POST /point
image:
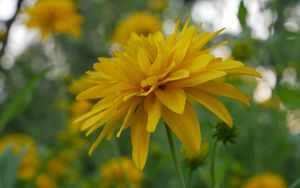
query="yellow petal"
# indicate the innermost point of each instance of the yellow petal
(95, 110)
(177, 75)
(100, 91)
(108, 128)
(92, 92)
(185, 126)
(198, 63)
(153, 108)
(203, 38)
(143, 61)
(92, 121)
(211, 103)
(183, 44)
(243, 71)
(140, 139)
(195, 80)
(224, 65)
(126, 120)
(224, 89)
(174, 99)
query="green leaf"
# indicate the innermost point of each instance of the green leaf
(9, 165)
(242, 14)
(19, 102)
(290, 97)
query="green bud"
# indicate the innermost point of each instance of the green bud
(194, 159)
(242, 50)
(225, 133)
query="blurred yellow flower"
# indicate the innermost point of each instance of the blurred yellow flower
(51, 16)
(158, 4)
(61, 167)
(141, 23)
(158, 76)
(45, 181)
(266, 180)
(30, 162)
(112, 173)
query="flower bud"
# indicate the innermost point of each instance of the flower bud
(194, 159)
(242, 50)
(225, 133)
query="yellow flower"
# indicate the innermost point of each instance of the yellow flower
(45, 181)
(61, 166)
(158, 4)
(112, 173)
(141, 23)
(31, 159)
(266, 180)
(156, 77)
(51, 16)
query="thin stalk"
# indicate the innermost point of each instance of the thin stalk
(191, 171)
(175, 157)
(212, 164)
(118, 154)
(9, 23)
(295, 183)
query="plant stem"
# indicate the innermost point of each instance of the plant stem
(295, 183)
(117, 154)
(175, 157)
(8, 27)
(191, 171)
(212, 164)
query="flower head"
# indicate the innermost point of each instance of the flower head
(158, 77)
(226, 134)
(194, 159)
(141, 23)
(266, 180)
(113, 172)
(51, 16)
(45, 181)
(31, 159)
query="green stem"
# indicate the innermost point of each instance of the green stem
(212, 164)
(295, 183)
(175, 157)
(118, 154)
(191, 171)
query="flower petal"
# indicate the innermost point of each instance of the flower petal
(185, 126)
(195, 80)
(224, 89)
(153, 108)
(224, 65)
(100, 91)
(211, 103)
(108, 128)
(172, 98)
(177, 75)
(140, 139)
(198, 63)
(126, 120)
(243, 71)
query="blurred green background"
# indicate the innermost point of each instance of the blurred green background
(35, 96)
